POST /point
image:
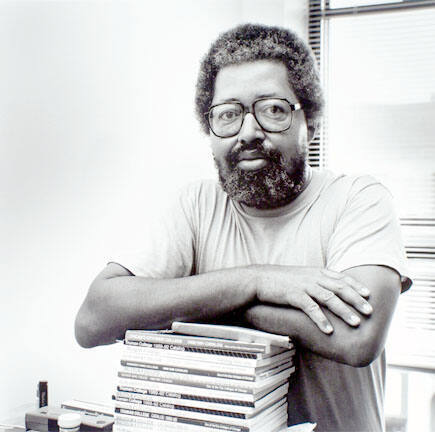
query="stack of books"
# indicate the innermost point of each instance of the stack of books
(198, 378)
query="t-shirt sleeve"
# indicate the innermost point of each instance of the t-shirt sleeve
(167, 249)
(368, 232)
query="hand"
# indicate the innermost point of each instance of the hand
(307, 288)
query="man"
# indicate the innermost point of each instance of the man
(276, 245)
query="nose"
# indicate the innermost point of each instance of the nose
(250, 131)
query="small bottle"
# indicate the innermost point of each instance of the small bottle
(69, 422)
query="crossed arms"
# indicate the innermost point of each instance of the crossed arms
(340, 316)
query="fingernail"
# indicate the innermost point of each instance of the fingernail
(354, 320)
(328, 329)
(367, 309)
(365, 292)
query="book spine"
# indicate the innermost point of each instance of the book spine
(231, 332)
(271, 372)
(275, 410)
(127, 423)
(186, 348)
(176, 407)
(137, 336)
(134, 393)
(191, 371)
(171, 363)
(195, 405)
(184, 381)
(206, 403)
(124, 424)
(156, 426)
(140, 386)
(151, 426)
(159, 355)
(216, 351)
(184, 420)
(192, 349)
(209, 383)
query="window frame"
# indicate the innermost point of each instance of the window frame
(319, 16)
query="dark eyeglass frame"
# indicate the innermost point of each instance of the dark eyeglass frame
(293, 107)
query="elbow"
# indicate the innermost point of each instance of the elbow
(88, 326)
(85, 332)
(361, 359)
(362, 352)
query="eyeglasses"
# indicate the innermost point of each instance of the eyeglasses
(272, 114)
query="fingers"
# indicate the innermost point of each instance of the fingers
(309, 290)
(357, 286)
(313, 310)
(347, 289)
(336, 305)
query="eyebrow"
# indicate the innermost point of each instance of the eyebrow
(261, 96)
(268, 95)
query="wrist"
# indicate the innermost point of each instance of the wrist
(255, 281)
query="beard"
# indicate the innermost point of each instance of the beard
(275, 185)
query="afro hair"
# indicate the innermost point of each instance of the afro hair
(250, 42)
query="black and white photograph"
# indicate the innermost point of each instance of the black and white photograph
(217, 215)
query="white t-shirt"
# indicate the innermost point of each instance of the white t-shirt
(337, 222)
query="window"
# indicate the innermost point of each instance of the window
(378, 69)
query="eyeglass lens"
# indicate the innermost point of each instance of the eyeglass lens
(273, 115)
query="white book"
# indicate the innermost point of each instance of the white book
(153, 425)
(278, 408)
(210, 369)
(147, 387)
(273, 350)
(231, 332)
(124, 424)
(168, 337)
(179, 407)
(223, 423)
(204, 361)
(210, 383)
(159, 356)
(255, 407)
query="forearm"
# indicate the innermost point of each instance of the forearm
(342, 345)
(115, 304)
(355, 346)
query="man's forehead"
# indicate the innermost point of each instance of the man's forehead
(254, 79)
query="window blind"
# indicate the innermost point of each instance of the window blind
(377, 63)
(315, 154)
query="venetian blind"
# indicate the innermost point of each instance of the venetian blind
(378, 70)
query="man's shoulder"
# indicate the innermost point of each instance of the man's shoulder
(203, 192)
(348, 185)
(201, 187)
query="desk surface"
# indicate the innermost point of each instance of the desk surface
(16, 421)
(16, 418)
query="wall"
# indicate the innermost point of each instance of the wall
(96, 130)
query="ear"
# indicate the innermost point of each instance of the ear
(311, 131)
(312, 127)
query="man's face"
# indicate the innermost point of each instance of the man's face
(260, 169)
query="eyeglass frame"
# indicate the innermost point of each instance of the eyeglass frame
(293, 107)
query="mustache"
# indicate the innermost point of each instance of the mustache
(272, 155)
